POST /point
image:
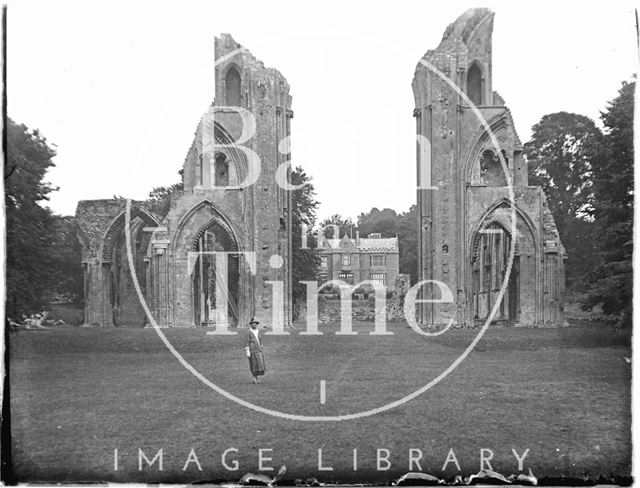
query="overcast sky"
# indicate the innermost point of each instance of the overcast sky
(120, 87)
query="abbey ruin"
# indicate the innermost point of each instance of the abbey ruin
(472, 183)
(465, 207)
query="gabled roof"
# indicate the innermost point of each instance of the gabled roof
(346, 243)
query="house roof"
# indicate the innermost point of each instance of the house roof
(389, 244)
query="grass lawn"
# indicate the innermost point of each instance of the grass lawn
(78, 394)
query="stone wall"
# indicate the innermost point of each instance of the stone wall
(363, 307)
(255, 217)
(458, 159)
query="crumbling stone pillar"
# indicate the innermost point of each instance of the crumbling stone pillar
(159, 288)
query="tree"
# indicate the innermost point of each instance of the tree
(30, 269)
(383, 221)
(560, 156)
(159, 199)
(66, 256)
(612, 280)
(345, 226)
(305, 262)
(408, 243)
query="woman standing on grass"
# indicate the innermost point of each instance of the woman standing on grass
(253, 347)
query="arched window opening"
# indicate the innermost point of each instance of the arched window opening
(489, 261)
(491, 172)
(126, 310)
(233, 88)
(221, 170)
(474, 84)
(207, 276)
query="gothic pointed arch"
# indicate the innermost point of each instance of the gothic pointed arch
(203, 231)
(233, 87)
(235, 160)
(212, 212)
(215, 275)
(116, 227)
(227, 240)
(501, 212)
(481, 141)
(494, 246)
(123, 308)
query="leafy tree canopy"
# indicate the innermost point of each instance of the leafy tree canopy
(345, 226)
(305, 261)
(30, 269)
(560, 157)
(611, 283)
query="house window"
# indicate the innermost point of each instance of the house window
(379, 278)
(377, 260)
(346, 276)
(323, 278)
(346, 260)
(323, 261)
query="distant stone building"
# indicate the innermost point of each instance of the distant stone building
(465, 224)
(353, 261)
(212, 213)
(465, 209)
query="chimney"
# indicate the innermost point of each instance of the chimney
(320, 238)
(357, 238)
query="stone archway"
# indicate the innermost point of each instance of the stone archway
(489, 262)
(209, 282)
(489, 251)
(123, 304)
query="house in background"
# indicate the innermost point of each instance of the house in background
(353, 261)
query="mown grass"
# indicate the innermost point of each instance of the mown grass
(78, 394)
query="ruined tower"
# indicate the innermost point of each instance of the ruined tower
(464, 204)
(230, 202)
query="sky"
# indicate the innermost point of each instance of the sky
(119, 87)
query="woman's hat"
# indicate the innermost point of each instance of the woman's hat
(254, 321)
